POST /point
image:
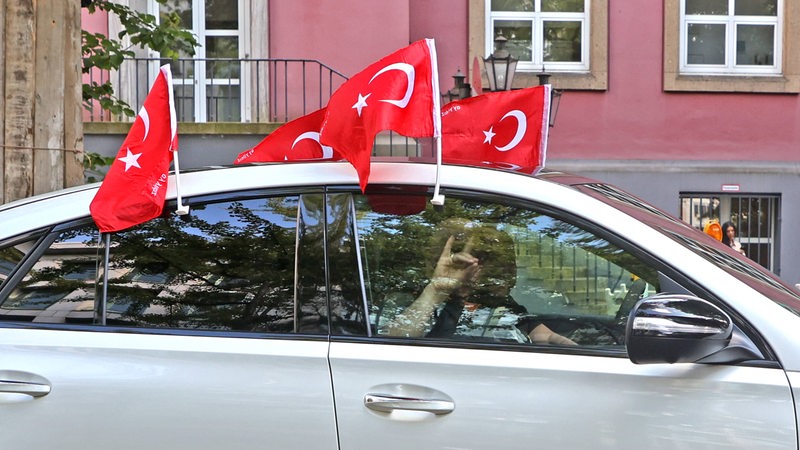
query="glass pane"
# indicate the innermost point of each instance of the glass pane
(755, 45)
(184, 102)
(222, 47)
(225, 266)
(222, 14)
(519, 34)
(11, 256)
(60, 287)
(756, 7)
(183, 8)
(706, 44)
(710, 7)
(494, 273)
(224, 103)
(513, 5)
(563, 5)
(183, 68)
(699, 211)
(562, 41)
(347, 304)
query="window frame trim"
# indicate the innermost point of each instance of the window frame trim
(537, 20)
(786, 82)
(595, 78)
(731, 22)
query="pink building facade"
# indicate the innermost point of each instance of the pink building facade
(692, 105)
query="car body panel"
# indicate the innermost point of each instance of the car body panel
(128, 390)
(516, 399)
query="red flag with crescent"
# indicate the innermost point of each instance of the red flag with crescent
(505, 129)
(135, 186)
(293, 141)
(399, 93)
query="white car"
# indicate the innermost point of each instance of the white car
(290, 310)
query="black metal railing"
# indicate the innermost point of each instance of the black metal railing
(225, 89)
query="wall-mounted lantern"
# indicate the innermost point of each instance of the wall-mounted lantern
(500, 66)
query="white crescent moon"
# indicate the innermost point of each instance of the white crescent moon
(327, 152)
(146, 121)
(407, 69)
(522, 126)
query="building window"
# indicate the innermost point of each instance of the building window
(545, 34)
(567, 38)
(731, 46)
(209, 87)
(754, 216)
(721, 37)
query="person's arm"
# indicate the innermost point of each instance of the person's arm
(452, 271)
(541, 334)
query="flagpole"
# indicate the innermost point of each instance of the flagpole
(438, 198)
(182, 209)
(548, 89)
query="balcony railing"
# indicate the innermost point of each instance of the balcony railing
(225, 89)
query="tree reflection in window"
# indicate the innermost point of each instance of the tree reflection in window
(566, 276)
(225, 266)
(60, 286)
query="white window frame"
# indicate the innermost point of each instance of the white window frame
(537, 19)
(200, 81)
(731, 21)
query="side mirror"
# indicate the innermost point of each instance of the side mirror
(671, 328)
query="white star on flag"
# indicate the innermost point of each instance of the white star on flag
(361, 103)
(131, 160)
(489, 135)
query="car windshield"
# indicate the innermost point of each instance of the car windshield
(750, 273)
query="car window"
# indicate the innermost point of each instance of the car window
(531, 269)
(229, 265)
(59, 287)
(225, 266)
(11, 255)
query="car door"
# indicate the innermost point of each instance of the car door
(200, 333)
(485, 385)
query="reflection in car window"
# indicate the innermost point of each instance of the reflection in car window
(576, 283)
(225, 266)
(60, 287)
(11, 255)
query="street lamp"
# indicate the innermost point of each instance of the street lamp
(461, 90)
(555, 96)
(500, 66)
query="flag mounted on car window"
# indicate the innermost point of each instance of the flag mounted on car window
(399, 93)
(135, 187)
(293, 141)
(505, 129)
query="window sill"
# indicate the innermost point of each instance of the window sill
(594, 81)
(727, 83)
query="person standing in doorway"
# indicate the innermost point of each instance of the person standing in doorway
(729, 237)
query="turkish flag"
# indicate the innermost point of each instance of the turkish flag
(505, 129)
(135, 187)
(293, 141)
(399, 93)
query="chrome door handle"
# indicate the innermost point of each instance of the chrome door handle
(17, 387)
(16, 382)
(389, 403)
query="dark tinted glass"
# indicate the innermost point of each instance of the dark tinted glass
(60, 286)
(11, 255)
(531, 269)
(225, 266)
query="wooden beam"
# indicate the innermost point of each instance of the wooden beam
(73, 96)
(48, 120)
(19, 88)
